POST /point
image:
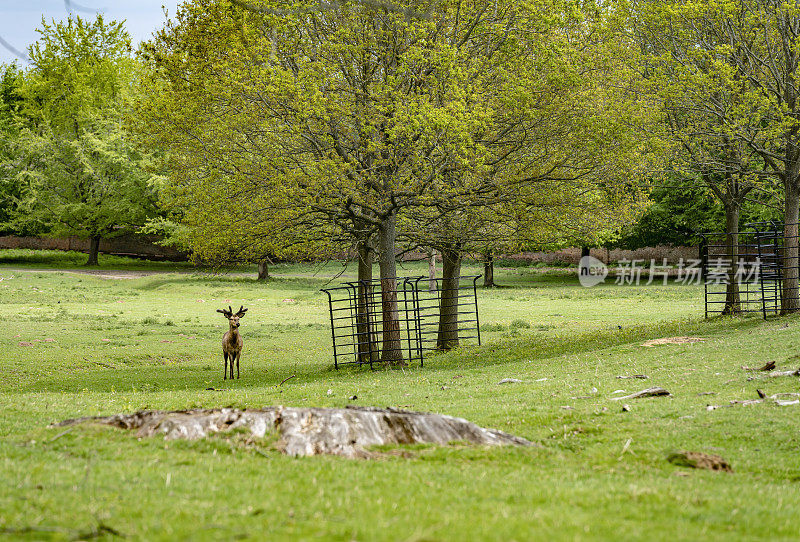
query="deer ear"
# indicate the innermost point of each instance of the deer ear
(241, 312)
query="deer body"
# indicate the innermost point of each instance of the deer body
(232, 341)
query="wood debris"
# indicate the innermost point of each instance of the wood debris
(769, 366)
(649, 392)
(796, 372)
(780, 399)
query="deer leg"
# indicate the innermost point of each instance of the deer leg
(232, 358)
(239, 355)
(225, 355)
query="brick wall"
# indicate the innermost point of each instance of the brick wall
(573, 255)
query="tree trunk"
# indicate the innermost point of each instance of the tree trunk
(263, 270)
(368, 351)
(732, 301)
(432, 270)
(488, 270)
(94, 249)
(447, 338)
(790, 301)
(585, 251)
(391, 351)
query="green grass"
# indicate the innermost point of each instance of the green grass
(153, 342)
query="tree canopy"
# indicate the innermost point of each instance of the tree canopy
(299, 128)
(78, 168)
(726, 71)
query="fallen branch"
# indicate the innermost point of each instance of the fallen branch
(640, 377)
(788, 402)
(796, 372)
(649, 392)
(769, 366)
(99, 531)
(285, 379)
(61, 434)
(762, 396)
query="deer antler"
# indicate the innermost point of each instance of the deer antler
(241, 311)
(226, 314)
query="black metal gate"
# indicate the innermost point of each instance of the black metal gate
(357, 325)
(720, 268)
(758, 267)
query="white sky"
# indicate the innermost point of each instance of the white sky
(19, 19)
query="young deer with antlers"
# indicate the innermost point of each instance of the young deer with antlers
(232, 342)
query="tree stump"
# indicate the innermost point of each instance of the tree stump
(347, 432)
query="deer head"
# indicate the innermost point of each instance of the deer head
(233, 318)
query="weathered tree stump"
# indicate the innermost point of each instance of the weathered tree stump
(312, 431)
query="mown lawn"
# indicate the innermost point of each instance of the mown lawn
(78, 345)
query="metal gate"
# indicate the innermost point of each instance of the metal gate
(758, 268)
(356, 321)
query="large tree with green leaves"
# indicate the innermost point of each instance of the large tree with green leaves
(727, 71)
(357, 112)
(569, 167)
(10, 107)
(80, 170)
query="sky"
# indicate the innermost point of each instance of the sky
(19, 19)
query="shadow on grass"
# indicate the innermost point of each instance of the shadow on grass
(525, 348)
(77, 260)
(541, 348)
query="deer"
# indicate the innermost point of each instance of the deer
(232, 342)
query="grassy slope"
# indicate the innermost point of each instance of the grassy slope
(161, 335)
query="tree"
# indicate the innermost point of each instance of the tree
(353, 114)
(81, 171)
(568, 166)
(10, 106)
(728, 71)
(682, 208)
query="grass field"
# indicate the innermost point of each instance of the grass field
(79, 345)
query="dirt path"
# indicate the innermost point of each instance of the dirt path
(123, 274)
(113, 274)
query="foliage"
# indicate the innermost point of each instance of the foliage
(79, 170)
(291, 131)
(363, 112)
(10, 106)
(682, 209)
(728, 71)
